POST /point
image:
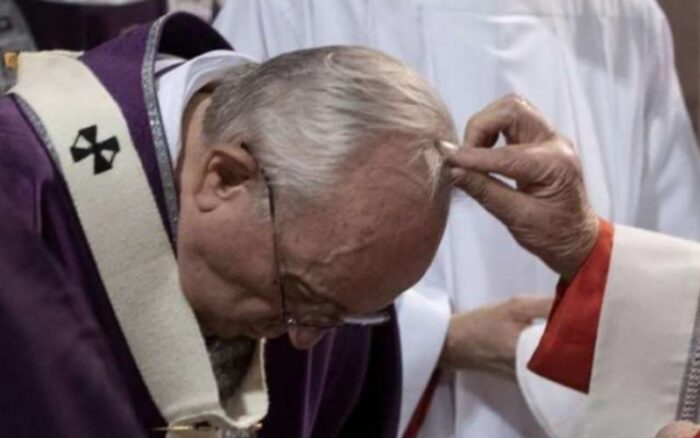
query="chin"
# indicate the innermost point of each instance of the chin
(270, 332)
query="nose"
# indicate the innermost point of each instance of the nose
(303, 338)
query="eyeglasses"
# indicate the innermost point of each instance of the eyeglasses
(311, 320)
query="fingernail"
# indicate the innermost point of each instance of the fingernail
(447, 148)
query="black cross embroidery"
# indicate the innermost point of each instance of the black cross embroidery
(86, 144)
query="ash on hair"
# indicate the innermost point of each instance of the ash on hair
(307, 113)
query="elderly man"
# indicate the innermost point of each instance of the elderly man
(278, 187)
(624, 326)
(635, 141)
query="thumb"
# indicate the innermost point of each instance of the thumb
(530, 308)
(679, 429)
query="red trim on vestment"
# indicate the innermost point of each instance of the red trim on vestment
(565, 353)
(422, 408)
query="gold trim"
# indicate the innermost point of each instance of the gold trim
(205, 427)
(11, 60)
(186, 428)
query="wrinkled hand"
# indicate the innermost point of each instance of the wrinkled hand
(486, 338)
(679, 429)
(547, 212)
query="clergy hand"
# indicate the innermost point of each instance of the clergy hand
(546, 210)
(679, 429)
(486, 338)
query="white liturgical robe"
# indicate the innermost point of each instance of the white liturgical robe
(646, 366)
(629, 321)
(601, 70)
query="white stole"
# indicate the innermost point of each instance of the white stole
(69, 106)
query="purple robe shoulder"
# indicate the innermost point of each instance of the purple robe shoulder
(72, 363)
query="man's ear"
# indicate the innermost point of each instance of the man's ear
(227, 170)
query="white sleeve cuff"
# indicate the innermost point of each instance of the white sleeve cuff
(559, 410)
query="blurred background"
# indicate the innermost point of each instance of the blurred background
(684, 17)
(82, 24)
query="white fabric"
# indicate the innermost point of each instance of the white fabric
(131, 249)
(176, 87)
(203, 9)
(601, 70)
(558, 409)
(430, 310)
(644, 334)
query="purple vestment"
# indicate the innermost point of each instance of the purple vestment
(62, 324)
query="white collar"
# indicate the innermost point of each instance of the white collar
(176, 87)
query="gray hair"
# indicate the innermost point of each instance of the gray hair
(305, 114)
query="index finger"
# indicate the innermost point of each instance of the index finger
(514, 117)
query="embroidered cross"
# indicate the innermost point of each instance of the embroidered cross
(86, 144)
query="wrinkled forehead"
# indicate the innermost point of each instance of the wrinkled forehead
(371, 271)
(374, 239)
